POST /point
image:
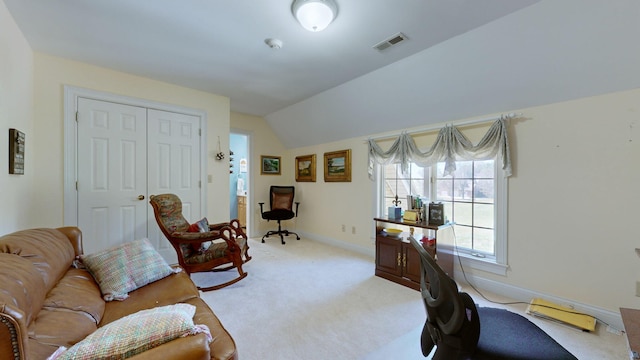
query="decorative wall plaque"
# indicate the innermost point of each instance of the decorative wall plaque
(16, 152)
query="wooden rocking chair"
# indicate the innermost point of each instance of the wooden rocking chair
(221, 248)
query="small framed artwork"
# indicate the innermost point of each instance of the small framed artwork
(16, 152)
(269, 165)
(436, 214)
(306, 168)
(337, 166)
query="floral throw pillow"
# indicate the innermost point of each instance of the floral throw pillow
(124, 268)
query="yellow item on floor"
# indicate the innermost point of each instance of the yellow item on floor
(548, 310)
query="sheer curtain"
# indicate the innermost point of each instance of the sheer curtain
(450, 145)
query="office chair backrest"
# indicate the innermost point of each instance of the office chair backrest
(282, 197)
(452, 318)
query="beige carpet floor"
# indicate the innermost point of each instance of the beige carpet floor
(307, 300)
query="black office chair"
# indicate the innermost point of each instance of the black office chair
(459, 330)
(281, 208)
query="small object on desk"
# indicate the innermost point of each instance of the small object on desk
(436, 214)
(394, 212)
(428, 241)
(393, 232)
(410, 215)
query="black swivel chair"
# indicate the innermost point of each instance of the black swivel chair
(460, 331)
(281, 208)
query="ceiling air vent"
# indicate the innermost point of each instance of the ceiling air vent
(393, 40)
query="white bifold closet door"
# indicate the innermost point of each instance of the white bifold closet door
(126, 153)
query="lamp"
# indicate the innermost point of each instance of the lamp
(314, 15)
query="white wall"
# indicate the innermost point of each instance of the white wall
(16, 111)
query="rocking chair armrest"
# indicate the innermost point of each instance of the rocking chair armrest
(234, 224)
(197, 236)
(225, 233)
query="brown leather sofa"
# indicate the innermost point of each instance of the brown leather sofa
(46, 303)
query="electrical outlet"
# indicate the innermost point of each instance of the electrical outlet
(353, 230)
(344, 228)
(638, 288)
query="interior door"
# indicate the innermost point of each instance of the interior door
(111, 178)
(174, 167)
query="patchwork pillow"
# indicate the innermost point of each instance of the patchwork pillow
(136, 333)
(126, 267)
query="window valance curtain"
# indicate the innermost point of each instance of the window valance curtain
(450, 145)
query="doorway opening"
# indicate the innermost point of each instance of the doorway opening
(239, 178)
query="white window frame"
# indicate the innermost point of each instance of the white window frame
(494, 264)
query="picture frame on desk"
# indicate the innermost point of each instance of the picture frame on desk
(436, 214)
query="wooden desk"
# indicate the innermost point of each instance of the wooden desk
(631, 321)
(398, 261)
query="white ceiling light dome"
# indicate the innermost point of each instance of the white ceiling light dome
(314, 15)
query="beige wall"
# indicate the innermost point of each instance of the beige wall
(17, 197)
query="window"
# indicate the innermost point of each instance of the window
(475, 200)
(398, 184)
(468, 197)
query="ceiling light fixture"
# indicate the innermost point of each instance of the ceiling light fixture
(314, 15)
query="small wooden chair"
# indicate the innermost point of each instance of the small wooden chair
(221, 248)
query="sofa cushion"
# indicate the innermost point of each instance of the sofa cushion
(61, 327)
(77, 291)
(22, 289)
(126, 267)
(49, 250)
(152, 295)
(136, 333)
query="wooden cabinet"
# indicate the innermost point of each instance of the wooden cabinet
(242, 210)
(398, 261)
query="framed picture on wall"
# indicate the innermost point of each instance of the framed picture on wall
(337, 166)
(269, 165)
(306, 168)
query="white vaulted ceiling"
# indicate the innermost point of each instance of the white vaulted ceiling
(462, 58)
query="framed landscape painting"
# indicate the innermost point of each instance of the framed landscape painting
(269, 165)
(306, 168)
(337, 166)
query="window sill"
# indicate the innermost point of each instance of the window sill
(478, 263)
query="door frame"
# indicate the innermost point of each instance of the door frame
(250, 197)
(71, 95)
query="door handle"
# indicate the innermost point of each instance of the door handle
(140, 197)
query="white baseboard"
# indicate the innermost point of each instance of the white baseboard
(612, 318)
(367, 251)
